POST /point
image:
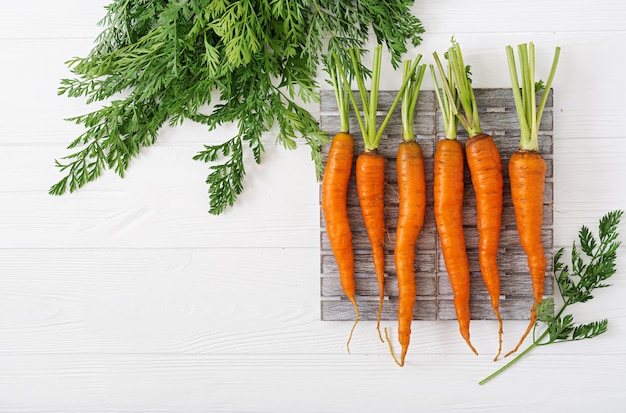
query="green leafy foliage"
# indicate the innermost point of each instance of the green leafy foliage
(248, 63)
(592, 263)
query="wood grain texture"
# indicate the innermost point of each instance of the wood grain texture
(498, 115)
(128, 297)
(142, 383)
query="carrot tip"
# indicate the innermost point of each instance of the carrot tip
(356, 320)
(499, 335)
(380, 336)
(471, 346)
(531, 324)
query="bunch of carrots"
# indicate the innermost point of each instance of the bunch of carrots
(457, 103)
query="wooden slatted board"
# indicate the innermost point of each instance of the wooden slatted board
(434, 295)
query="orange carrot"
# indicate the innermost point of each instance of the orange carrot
(448, 187)
(485, 165)
(370, 184)
(411, 211)
(370, 165)
(448, 207)
(334, 195)
(483, 159)
(527, 170)
(527, 173)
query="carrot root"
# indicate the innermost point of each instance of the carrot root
(356, 320)
(399, 362)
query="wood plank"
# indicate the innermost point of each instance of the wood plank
(340, 310)
(498, 114)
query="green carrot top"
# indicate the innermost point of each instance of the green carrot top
(369, 101)
(410, 96)
(342, 91)
(528, 113)
(447, 98)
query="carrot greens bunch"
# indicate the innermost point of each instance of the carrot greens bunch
(249, 63)
(592, 264)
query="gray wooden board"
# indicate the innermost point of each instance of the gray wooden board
(434, 295)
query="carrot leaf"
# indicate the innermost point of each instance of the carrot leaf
(215, 62)
(592, 263)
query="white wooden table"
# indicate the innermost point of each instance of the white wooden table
(129, 297)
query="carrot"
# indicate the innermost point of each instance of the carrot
(411, 210)
(370, 184)
(485, 165)
(527, 170)
(370, 164)
(448, 188)
(334, 195)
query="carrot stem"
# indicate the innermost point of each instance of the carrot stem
(528, 112)
(544, 97)
(341, 88)
(359, 76)
(536, 343)
(446, 98)
(409, 99)
(373, 97)
(510, 363)
(469, 117)
(369, 101)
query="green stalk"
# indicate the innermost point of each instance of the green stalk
(469, 117)
(351, 97)
(360, 80)
(341, 89)
(446, 98)
(409, 99)
(517, 96)
(544, 97)
(528, 112)
(536, 343)
(373, 97)
(369, 102)
(510, 363)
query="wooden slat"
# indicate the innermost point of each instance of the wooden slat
(498, 117)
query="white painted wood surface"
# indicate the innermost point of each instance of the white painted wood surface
(128, 297)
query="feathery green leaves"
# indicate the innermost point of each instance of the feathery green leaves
(592, 263)
(250, 63)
